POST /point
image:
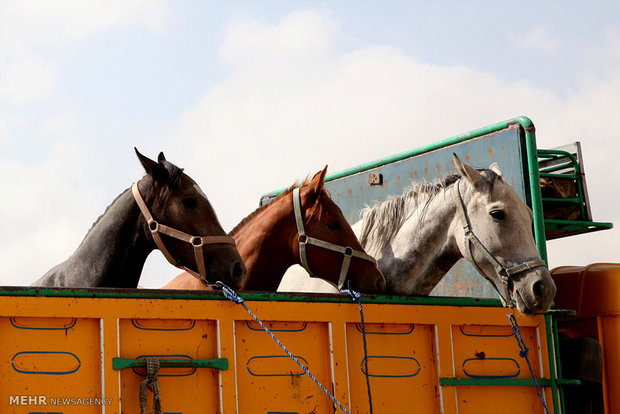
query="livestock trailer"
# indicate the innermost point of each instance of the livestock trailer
(93, 350)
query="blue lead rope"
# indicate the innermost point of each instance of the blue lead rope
(232, 295)
(523, 353)
(358, 298)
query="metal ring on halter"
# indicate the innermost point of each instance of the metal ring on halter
(154, 226)
(348, 251)
(196, 241)
(302, 238)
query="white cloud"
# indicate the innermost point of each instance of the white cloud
(537, 38)
(28, 78)
(299, 36)
(43, 213)
(42, 22)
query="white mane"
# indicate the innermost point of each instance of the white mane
(381, 222)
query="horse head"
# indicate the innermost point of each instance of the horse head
(495, 229)
(178, 205)
(327, 245)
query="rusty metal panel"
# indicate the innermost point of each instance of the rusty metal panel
(353, 192)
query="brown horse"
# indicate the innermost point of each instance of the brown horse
(164, 210)
(274, 237)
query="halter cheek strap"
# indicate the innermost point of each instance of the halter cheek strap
(472, 240)
(197, 242)
(304, 239)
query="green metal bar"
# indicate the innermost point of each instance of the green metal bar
(544, 382)
(556, 341)
(576, 225)
(219, 363)
(573, 200)
(552, 175)
(552, 153)
(250, 296)
(553, 353)
(534, 183)
(556, 168)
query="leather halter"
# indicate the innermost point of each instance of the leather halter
(304, 239)
(196, 241)
(470, 239)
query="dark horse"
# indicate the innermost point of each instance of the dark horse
(163, 210)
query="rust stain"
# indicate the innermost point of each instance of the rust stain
(468, 159)
(350, 191)
(426, 171)
(438, 167)
(490, 150)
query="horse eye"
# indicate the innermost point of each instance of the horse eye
(497, 214)
(333, 225)
(189, 202)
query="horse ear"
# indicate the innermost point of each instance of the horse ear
(317, 183)
(161, 158)
(467, 171)
(495, 168)
(154, 169)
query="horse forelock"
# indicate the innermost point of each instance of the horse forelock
(174, 178)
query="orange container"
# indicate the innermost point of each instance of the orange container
(434, 355)
(594, 293)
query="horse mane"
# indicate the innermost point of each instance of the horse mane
(283, 194)
(260, 209)
(381, 222)
(175, 174)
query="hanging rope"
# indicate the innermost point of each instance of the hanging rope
(523, 353)
(232, 295)
(358, 298)
(150, 382)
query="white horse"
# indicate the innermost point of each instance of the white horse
(419, 235)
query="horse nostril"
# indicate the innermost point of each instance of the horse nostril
(238, 270)
(538, 289)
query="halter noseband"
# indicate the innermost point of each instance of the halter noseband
(196, 241)
(304, 240)
(470, 239)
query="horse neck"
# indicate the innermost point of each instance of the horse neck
(265, 244)
(423, 249)
(115, 248)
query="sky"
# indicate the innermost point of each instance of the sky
(250, 96)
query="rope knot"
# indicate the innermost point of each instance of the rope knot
(151, 383)
(229, 293)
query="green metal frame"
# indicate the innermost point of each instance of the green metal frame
(571, 227)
